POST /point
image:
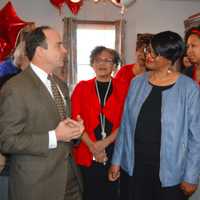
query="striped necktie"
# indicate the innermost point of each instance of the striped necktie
(57, 98)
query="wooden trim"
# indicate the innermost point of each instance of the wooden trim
(70, 43)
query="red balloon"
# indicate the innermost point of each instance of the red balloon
(74, 6)
(5, 48)
(57, 3)
(10, 25)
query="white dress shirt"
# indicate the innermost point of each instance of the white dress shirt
(42, 75)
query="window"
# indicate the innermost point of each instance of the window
(88, 37)
(80, 37)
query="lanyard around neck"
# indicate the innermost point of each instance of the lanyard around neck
(102, 117)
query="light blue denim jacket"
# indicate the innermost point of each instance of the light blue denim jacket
(180, 135)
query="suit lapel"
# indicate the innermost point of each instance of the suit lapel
(44, 94)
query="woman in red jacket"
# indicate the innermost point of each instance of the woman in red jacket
(99, 102)
(127, 72)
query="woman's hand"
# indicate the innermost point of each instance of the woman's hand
(99, 146)
(96, 147)
(114, 172)
(101, 157)
(188, 188)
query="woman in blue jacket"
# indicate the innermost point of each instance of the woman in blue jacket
(158, 146)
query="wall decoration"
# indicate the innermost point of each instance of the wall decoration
(10, 25)
(192, 21)
(58, 4)
(74, 5)
(123, 4)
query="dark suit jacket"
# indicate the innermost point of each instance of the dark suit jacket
(27, 113)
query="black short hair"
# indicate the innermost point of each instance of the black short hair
(169, 45)
(99, 49)
(193, 30)
(34, 39)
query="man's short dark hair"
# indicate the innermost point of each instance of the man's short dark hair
(34, 39)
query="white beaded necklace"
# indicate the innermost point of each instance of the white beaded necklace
(102, 117)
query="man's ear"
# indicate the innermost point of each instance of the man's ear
(39, 51)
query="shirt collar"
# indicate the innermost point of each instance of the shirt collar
(39, 72)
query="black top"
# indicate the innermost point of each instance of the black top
(148, 128)
(102, 88)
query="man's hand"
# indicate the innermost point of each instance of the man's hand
(188, 188)
(72, 123)
(114, 172)
(68, 130)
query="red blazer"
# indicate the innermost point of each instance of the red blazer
(84, 102)
(125, 75)
(194, 74)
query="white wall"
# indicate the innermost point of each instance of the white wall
(143, 16)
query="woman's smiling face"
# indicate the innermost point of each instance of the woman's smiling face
(193, 48)
(103, 64)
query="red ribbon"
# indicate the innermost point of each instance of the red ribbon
(196, 31)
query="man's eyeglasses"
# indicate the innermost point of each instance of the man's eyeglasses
(104, 61)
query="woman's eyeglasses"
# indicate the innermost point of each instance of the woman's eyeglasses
(148, 52)
(103, 61)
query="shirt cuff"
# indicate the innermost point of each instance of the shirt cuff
(52, 139)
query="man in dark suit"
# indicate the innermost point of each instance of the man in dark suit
(10, 67)
(31, 129)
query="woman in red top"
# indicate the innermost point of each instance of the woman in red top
(192, 39)
(99, 102)
(127, 72)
